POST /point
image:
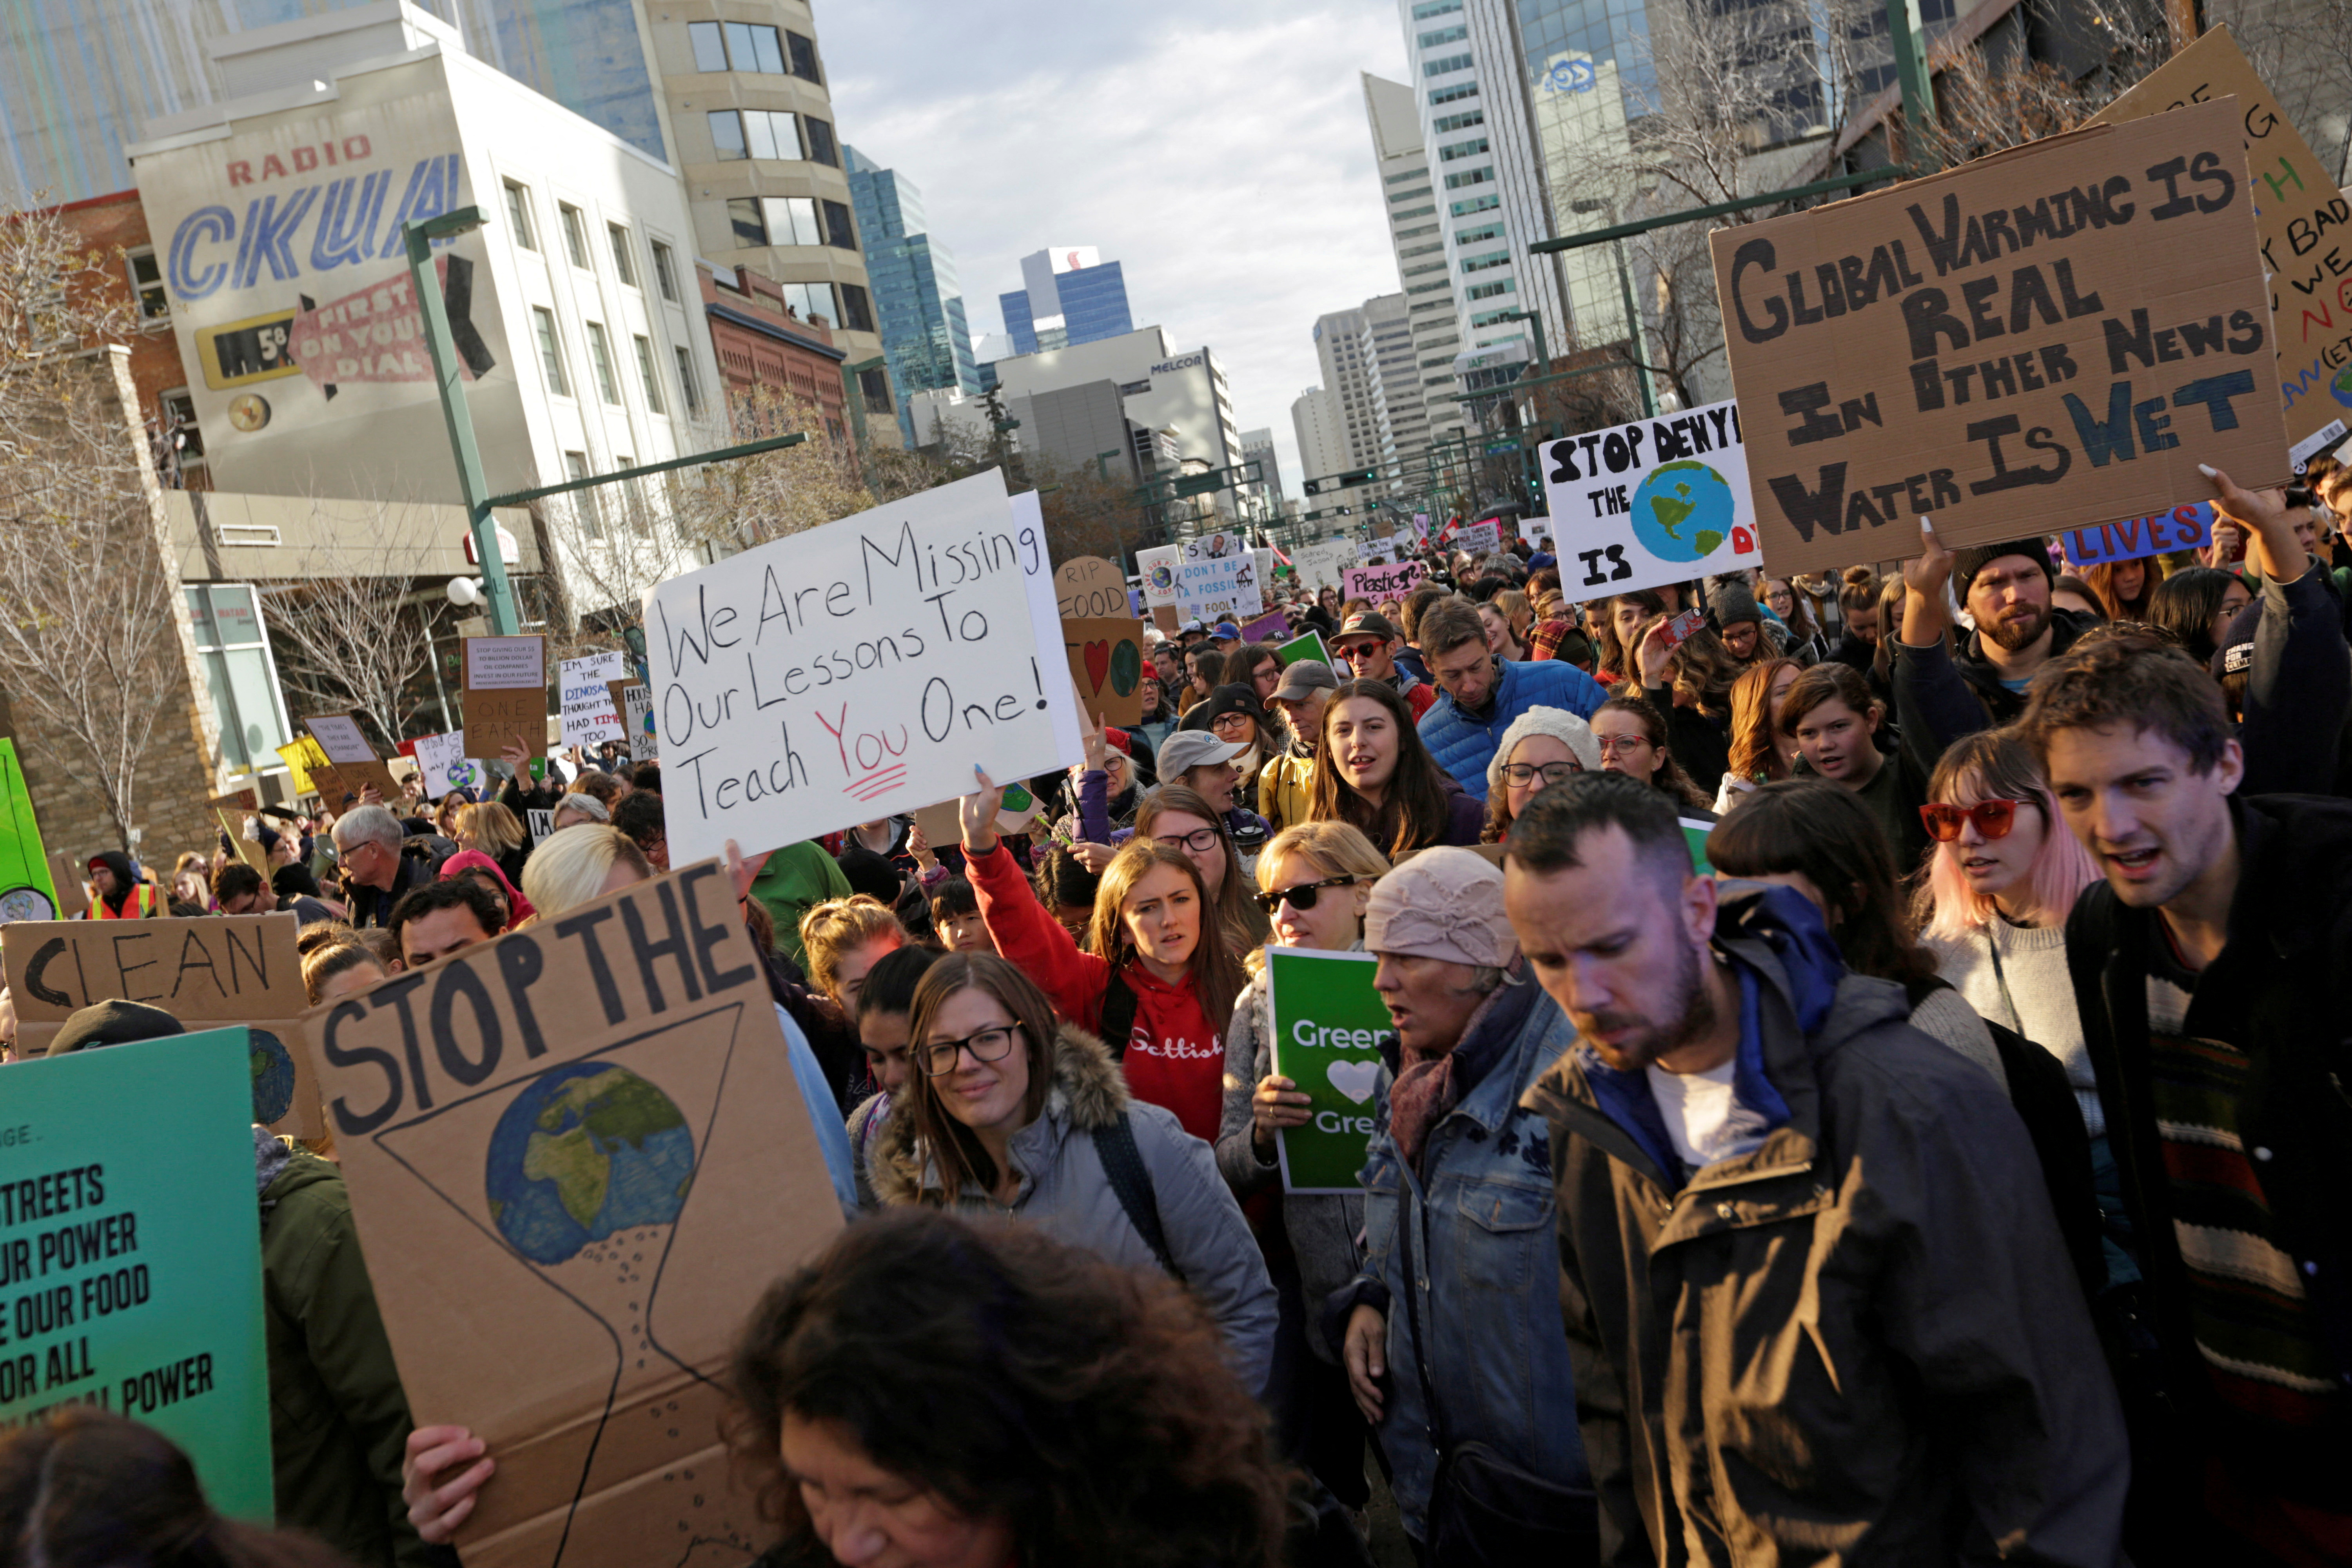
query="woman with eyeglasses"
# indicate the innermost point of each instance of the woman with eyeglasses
(1372, 773)
(1160, 981)
(1543, 746)
(1807, 644)
(1632, 735)
(1182, 819)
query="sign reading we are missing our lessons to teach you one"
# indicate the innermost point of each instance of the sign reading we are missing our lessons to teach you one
(2049, 338)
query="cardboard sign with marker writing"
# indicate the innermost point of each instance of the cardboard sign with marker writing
(441, 762)
(2048, 338)
(577, 1156)
(637, 719)
(1478, 537)
(590, 710)
(2296, 205)
(219, 969)
(506, 695)
(1657, 500)
(1090, 588)
(1379, 582)
(355, 762)
(1106, 657)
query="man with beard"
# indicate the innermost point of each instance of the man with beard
(1817, 1306)
(2005, 588)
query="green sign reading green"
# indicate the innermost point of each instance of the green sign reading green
(1306, 645)
(1328, 1024)
(131, 1265)
(27, 891)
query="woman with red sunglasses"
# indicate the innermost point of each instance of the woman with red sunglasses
(2003, 875)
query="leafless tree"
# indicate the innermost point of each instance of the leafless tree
(91, 639)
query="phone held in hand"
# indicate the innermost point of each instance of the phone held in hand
(1680, 628)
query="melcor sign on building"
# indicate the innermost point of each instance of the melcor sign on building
(283, 254)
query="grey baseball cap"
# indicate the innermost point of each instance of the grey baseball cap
(1194, 749)
(1302, 680)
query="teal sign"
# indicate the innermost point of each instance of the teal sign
(1327, 1025)
(130, 1264)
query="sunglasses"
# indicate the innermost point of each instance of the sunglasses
(1993, 818)
(1302, 897)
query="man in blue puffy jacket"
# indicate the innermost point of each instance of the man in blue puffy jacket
(1483, 694)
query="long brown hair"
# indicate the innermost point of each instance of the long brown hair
(1823, 832)
(2101, 581)
(1414, 813)
(1670, 776)
(955, 1149)
(1616, 657)
(1244, 923)
(1215, 967)
(1753, 755)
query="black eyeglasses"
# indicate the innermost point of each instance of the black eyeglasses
(1302, 897)
(939, 1058)
(1517, 773)
(1200, 841)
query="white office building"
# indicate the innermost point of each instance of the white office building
(1162, 388)
(1423, 274)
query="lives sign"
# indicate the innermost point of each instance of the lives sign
(2052, 337)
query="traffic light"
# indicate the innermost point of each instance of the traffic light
(1359, 477)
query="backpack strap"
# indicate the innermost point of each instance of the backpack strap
(1122, 1164)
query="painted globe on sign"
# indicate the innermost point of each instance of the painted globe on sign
(2342, 386)
(1682, 511)
(583, 1151)
(273, 1076)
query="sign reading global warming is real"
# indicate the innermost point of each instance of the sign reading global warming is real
(1658, 500)
(2045, 339)
(858, 670)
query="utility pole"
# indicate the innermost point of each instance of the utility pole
(424, 278)
(1903, 26)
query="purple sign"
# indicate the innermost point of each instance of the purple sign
(2183, 528)
(1267, 629)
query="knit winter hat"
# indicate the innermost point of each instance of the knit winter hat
(115, 1023)
(1558, 723)
(1966, 563)
(1732, 604)
(1444, 903)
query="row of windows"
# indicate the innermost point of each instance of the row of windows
(1462, 121)
(771, 133)
(1491, 318)
(1443, 36)
(1483, 232)
(601, 362)
(1417, 211)
(1421, 250)
(1454, 94)
(1428, 8)
(1470, 177)
(1492, 258)
(791, 220)
(1413, 233)
(1424, 269)
(1469, 149)
(1410, 195)
(1476, 204)
(743, 46)
(1408, 175)
(1449, 64)
(1488, 290)
(575, 224)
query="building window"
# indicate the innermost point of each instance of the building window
(689, 394)
(1470, 177)
(1472, 236)
(1474, 204)
(1481, 263)
(876, 385)
(664, 272)
(1395, 196)
(551, 351)
(1470, 149)
(839, 231)
(1483, 291)
(575, 233)
(1491, 318)
(812, 302)
(856, 314)
(623, 268)
(519, 215)
(803, 53)
(147, 283)
(755, 133)
(821, 148)
(1459, 90)
(791, 220)
(584, 502)
(1448, 64)
(599, 354)
(736, 46)
(1443, 36)
(645, 374)
(744, 216)
(710, 47)
(1458, 122)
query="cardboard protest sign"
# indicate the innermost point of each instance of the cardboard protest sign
(1306, 645)
(577, 1156)
(2133, 539)
(1087, 587)
(1106, 659)
(838, 675)
(28, 890)
(132, 1264)
(1267, 627)
(585, 701)
(506, 695)
(637, 719)
(1656, 501)
(441, 762)
(355, 762)
(1475, 537)
(307, 763)
(206, 971)
(1378, 582)
(1328, 1024)
(2054, 336)
(245, 850)
(2295, 204)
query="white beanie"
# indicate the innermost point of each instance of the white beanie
(1558, 723)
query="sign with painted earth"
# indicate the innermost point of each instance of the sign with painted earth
(1682, 511)
(1658, 500)
(584, 1154)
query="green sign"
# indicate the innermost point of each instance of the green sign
(27, 891)
(131, 1265)
(1328, 1024)
(1306, 645)
(1696, 834)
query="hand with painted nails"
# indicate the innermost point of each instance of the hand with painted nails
(1926, 577)
(2272, 548)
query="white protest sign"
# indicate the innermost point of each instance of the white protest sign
(506, 664)
(1477, 537)
(541, 822)
(1319, 565)
(637, 717)
(1217, 579)
(339, 736)
(1537, 531)
(587, 700)
(1658, 500)
(1159, 567)
(862, 668)
(441, 762)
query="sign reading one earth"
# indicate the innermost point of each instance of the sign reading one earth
(1659, 500)
(1328, 1024)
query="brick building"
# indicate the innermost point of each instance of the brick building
(761, 340)
(116, 226)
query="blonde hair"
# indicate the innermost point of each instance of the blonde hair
(493, 828)
(832, 930)
(1334, 848)
(569, 869)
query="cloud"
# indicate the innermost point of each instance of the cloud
(1223, 159)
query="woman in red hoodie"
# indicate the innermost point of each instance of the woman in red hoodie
(1155, 991)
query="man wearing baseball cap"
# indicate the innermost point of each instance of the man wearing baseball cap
(1199, 761)
(2005, 588)
(1285, 783)
(1367, 645)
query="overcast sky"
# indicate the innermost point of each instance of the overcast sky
(1218, 149)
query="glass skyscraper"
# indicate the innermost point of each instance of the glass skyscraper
(1069, 296)
(917, 302)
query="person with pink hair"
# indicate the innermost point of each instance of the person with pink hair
(1992, 907)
